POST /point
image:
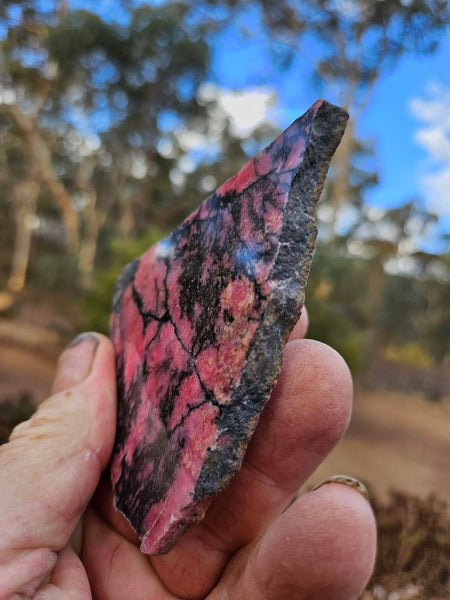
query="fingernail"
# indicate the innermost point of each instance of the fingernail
(76, 361)
(352, 482)
(83, 337)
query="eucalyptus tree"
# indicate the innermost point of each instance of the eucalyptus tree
(83, 99)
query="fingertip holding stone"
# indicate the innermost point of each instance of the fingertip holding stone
(352, 482)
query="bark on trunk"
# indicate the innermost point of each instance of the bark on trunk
(88, 245)
(340, 188)
(25, 196)
(39, 154)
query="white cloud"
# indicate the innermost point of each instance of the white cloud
(434, 108)
(246, 109)
(436, 141)
(437, 187)
(434, 138)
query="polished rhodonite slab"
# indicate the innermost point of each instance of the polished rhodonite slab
(199, 323)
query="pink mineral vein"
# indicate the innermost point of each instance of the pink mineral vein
(199, 323)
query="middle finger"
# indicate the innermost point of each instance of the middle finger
(305, 417)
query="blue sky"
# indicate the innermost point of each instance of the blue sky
(394, 123)
(389, 120)
(403, 117)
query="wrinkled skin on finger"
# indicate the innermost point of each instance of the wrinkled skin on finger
(254, 541)
(306, 416)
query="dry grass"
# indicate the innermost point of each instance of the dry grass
(413, 559)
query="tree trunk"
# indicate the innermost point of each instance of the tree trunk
(127, 220)
(341, 162)
(25, 196)
(61, 196)
(343, 156)
(40, 158)
(88, 244)
(376, 278)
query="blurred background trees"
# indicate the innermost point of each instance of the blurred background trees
(111, 132)
(114, 125)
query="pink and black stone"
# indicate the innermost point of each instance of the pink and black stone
(199, 323)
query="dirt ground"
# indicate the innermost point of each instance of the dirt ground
(25, 370)
(394, 441)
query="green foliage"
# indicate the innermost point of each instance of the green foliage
(336, 303)
(97, 301)
(385, 30)
(407, 295)
(436, 321)
(86, 101)
(55, 272)
(330, 325)
(410, 353)
(151, 65)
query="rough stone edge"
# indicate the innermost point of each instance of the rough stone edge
(290, 272)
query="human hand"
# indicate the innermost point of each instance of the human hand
(249, 546)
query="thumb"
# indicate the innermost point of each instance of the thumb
(52, 464)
